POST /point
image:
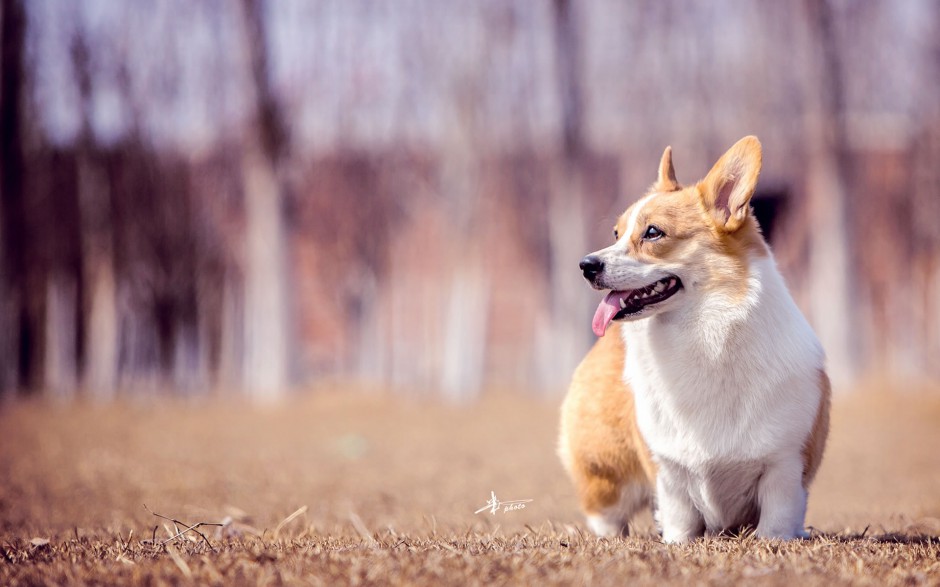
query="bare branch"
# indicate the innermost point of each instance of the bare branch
(186, 528)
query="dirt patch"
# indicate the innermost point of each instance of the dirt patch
(352, 488)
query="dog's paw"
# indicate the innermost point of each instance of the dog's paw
(780, 534)
(678, 535)
(606, 526)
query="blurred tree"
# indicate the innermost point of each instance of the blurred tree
(55, 185)
(97, 238)
(465, 306)
(20, 329)
(564, 338)
(925, 205)
(264, 153)
(830, 271)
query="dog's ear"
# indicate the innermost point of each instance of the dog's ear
(666, 180)
(728, 187)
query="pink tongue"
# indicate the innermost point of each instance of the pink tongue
(606, 311)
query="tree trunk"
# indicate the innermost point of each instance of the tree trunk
(61, 352)
(829, 276)
(266, 308)
(101, 332)
(565, 339)
(465, 332)
(563, 342)
(265, 296)
(101, 340)
(459, 342)
(372, 352)
(926, 210)
(228, 375)
(18, 340)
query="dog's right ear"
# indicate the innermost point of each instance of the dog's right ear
(728, 187)
(666, 180)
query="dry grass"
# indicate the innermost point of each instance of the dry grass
(390, 487)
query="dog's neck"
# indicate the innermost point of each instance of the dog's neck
(720, 328)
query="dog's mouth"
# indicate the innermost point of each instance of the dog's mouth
(618, 305)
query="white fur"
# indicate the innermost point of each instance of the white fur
(612, 521)
(631, 222)
(727, 391)
(621, 270)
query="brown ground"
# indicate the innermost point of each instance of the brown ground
(390, 487)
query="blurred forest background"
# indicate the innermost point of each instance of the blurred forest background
(221, 197)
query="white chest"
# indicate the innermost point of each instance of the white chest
(725, 382)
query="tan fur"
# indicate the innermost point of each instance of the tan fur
(686, 215)
(816, 443)
(600, 443)
(666, 179)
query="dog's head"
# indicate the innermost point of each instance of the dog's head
(678, 244)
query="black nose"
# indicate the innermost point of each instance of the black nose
(591, 266)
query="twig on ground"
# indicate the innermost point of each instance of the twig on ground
(125, 544)
(188, 527)
(360, 527)
(300, 511)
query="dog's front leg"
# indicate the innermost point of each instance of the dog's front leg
(676, 515)
(782, 499)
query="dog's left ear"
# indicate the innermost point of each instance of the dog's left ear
(728, 187)
(666, 178)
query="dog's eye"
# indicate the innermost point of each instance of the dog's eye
(616, 235)
(653, 233)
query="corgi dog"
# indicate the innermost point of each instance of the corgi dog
(706, 394)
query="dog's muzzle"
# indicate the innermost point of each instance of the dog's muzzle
(591, 266)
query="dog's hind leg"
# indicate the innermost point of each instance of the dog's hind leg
(613, 519)
(600, 445)
(611, 477)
